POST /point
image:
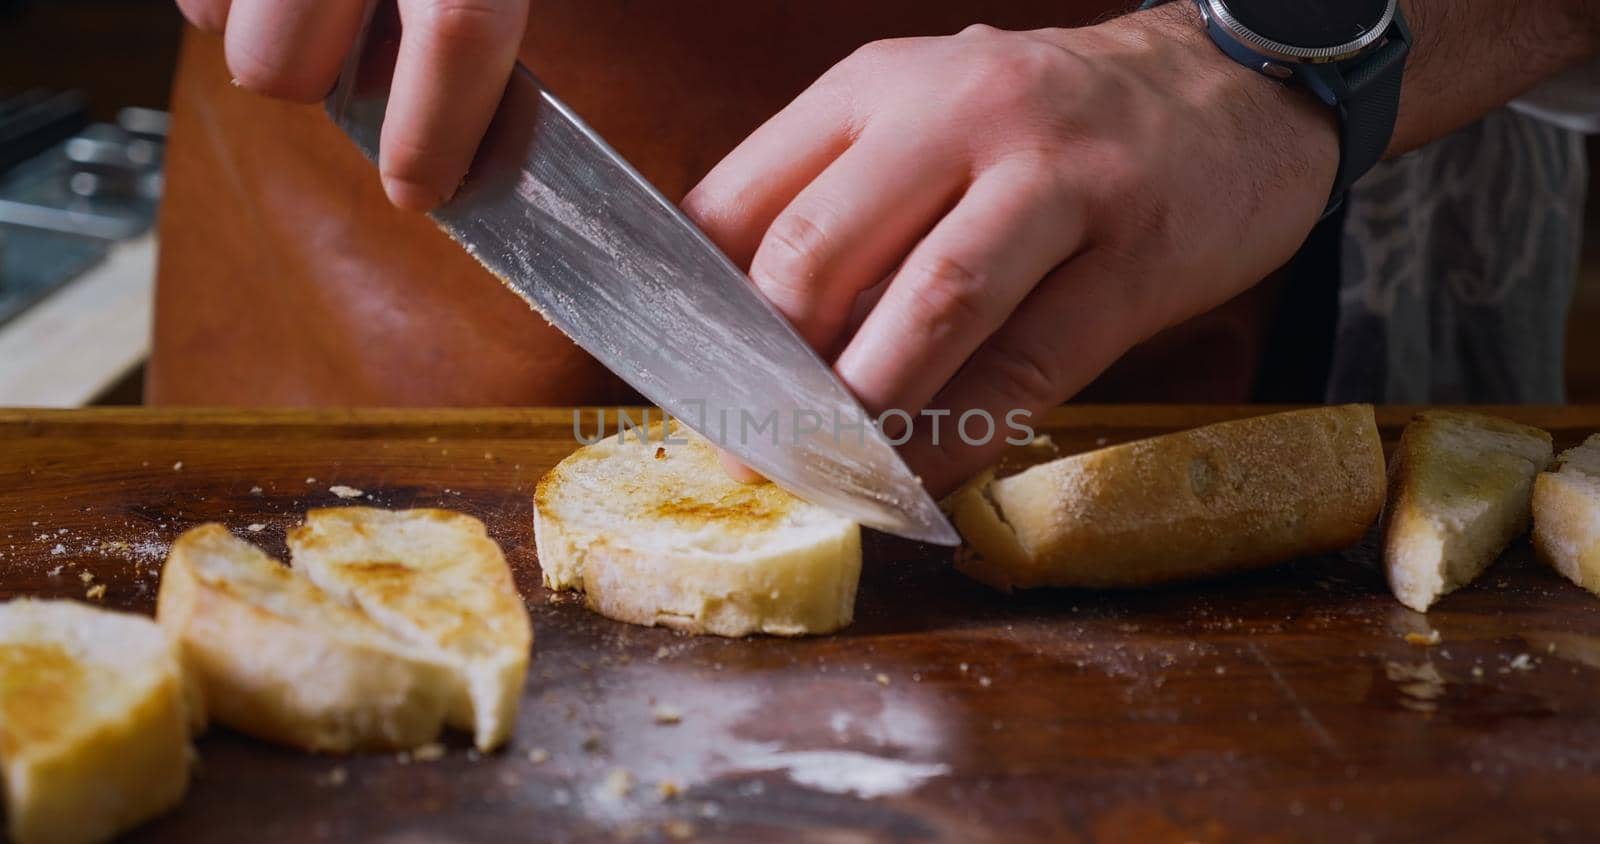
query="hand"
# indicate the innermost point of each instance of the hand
(989, 220)
(455, 58)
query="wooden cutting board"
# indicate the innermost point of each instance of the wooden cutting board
(1286, 705)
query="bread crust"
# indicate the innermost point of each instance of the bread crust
(1224, 498)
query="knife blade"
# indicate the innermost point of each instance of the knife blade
(565, 222)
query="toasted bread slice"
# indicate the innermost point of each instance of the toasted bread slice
(278, 658)
(1566, 515)
(435, 579)
(657, 533)
(1460, 490)
(94, 721)
(1223, 498)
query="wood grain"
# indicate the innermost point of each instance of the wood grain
(1282, 706)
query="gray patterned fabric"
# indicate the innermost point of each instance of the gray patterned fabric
(1458, 267)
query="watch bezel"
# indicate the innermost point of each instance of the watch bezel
(1217, 11)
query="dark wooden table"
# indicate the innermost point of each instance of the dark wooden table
(1283, 706)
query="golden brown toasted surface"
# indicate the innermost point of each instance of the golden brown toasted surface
(41, 692)
(437, 569)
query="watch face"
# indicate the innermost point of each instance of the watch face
(1313, 25)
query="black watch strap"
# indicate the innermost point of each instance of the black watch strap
(1367, 115)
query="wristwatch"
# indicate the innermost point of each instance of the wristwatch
(1350, 53)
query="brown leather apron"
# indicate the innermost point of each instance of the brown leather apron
(286, 278)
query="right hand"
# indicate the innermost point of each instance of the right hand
(455, 58)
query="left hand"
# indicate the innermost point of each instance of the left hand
(1038, 202)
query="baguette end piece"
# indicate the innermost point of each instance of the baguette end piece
(1224, 498)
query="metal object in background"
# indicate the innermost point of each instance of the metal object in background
(567, 224)
(69, 188)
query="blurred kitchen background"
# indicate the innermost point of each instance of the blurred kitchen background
(83, 93)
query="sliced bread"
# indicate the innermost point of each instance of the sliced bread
(94, 721)
(1224, 498)
(1566, 515)
(278, 658)
(1460, 489)
(657, 533)
(435, 579)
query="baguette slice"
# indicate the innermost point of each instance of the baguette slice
(435, 579)
(1566, 515)
(1224, 498)
(278, 658)
(1460, 490)
(94, 721)
(657, 533)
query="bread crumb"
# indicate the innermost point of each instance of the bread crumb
(662, 652)
(55, 572)
(1522, 662)
(984, 682)
(661, 453)
(345, 491)
(883, 679)
(1477, 672)
(619, 782)
(591, 743)
(430, 752)
(668, 789)
(538, 756)
(334, 778)
(58, 550)
(1427, 639)
(255, 490)
(256, 528)
(678, 829)
(311, 480)
(667, 716)
(96, 592)
(964, 667)
(178, 466)
(86, 576)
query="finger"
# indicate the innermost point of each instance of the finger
(959, 285)
(1069, 330)
(737, 201)
(455, 57)
(850, 227)
(290, 49)
(736, 470)
(207, 15)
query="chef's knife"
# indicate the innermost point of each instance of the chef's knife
(570, 226)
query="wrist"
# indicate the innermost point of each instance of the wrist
(1173, 36)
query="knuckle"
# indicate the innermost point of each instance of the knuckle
(1024, 372)
(465, 23)
(951, 294)
(792, 255)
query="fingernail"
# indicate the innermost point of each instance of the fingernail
(411, 195)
